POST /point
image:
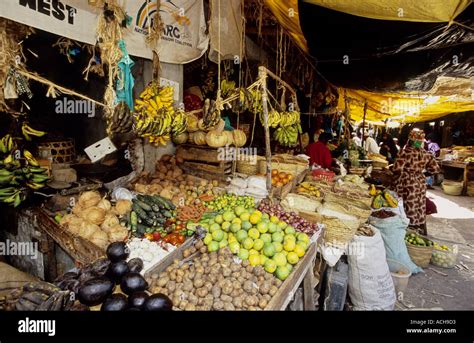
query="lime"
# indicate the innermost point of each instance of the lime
(278, 246)
(254, 259)
(289, 245)
(289, 237)
(246, 225)
(253, 252)
(234, 247)
(270, 266)
(254, 218)
(225, 226)
(219, 219)
(253, 233)
(228, 216)
(280, 259)
(214, 227)
(290, 230)
(272, 227)
(235, 227)
(299, 250)
(266, 238)
(268, 249)
(274, 219)
(213, 246)
(241, 235)
(277, 237)
(207, 239)
(262, 226)
(303, 245)
(223, 243)
(245, 216)
(243, 254)
(258, 244)
(247, 243)
(281, 225)
(282, 272)
(218, 235)
(292, 258)
(302, 237)
(237, 221)
(239, 210)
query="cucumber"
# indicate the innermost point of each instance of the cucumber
(133, 221)
(143, 205)
(141, 229)
(161, 202)
(167, 214)
(139, 211)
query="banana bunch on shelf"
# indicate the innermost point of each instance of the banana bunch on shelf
(155, 117)
(28, 131)
(16, 176)
(287, 135)
(121, 120)
(7, 144)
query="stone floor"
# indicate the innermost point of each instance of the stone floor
(440, 288)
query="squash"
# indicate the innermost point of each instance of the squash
(191, 137)
(230, 137)
(181, 138)
(216, 139)
(192, 123)
(199, 138)
(239, 138)
(201, 125)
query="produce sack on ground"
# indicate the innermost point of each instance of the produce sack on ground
(370, 282)
(393, 230)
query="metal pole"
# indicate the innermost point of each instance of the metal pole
(262, 74)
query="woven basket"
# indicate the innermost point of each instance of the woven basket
(362, 203)
(379, 164)
(470, 189)
(246, 167)
(336, 232)
(452, 187)
(421, 256)
(59, 152)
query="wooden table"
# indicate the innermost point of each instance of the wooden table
(301, 275)
(466, 167)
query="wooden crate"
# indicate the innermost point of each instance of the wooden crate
(203, 161)
(303, 270)
(80, 249)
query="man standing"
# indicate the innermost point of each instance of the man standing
(356, 139)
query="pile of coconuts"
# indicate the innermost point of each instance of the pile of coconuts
(215, 281)
(96, 285)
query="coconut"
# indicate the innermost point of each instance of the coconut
(117, 234)
(88, 229)
(110, 221)
(105, 204)
(94, 215)
(123, 207)
(89, 199)
(100, 238)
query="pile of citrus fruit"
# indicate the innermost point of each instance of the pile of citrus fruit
(257, 237)
(280, 178)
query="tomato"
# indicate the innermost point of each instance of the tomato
(167, 238)
(156, 236)
(181, 239)
(149, 236)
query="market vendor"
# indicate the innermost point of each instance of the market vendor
(319, 153)
(388, 148)
(410, 169)
(370, 144)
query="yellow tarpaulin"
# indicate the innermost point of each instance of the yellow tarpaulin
(405, 10)
(400, 107)
(286, 12)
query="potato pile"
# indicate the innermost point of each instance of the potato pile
(95, 219)
(215, 281)
(170, 182)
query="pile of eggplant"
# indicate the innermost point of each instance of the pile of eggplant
(95, 284)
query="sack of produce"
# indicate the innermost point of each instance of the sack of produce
(393, 231)
(257, 182)
(370, 282)
(239, 182)
(300, 203)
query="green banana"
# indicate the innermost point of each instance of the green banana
(5, 172)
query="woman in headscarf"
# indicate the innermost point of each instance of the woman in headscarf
(412, 166)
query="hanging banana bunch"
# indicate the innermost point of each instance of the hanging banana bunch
(287, 135)
(18, 175)
(211, 114)
(121, 120)
(155, 117)
(28, 131)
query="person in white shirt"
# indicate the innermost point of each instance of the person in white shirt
(356, 139)
(370, 145)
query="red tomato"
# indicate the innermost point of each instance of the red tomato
(181, 239)
(156, 236)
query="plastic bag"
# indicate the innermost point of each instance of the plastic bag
(370, 282)
(393, 230)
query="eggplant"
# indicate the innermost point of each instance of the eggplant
(158, 302)
(133, 282)
(135, 265)
(137, 299)
(117, 251)
(66, 276)
(69, 285)
(95, 291)
(115, 302)
(117, 271)
(100, 267)
(85, 276)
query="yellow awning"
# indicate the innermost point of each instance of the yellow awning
(400, 107)
(286, 12)
(404, 10)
